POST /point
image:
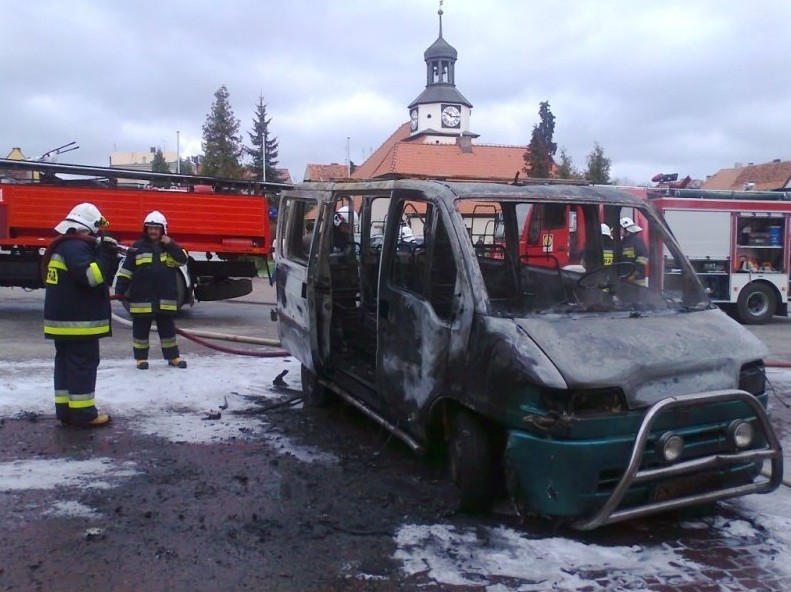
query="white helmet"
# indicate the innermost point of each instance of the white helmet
(342, 215)
(156, 218)
(605, 230)
(629, 226)
(84, 216)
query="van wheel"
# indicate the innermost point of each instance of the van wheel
(314, 394)
(471, 462)
(756, 304)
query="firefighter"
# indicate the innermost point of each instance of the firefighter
(634, 250)
(147, 278)
(79, 265)
(607, 244)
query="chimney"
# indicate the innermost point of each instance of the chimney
(464, 143)
(737, 165)
(776, 160)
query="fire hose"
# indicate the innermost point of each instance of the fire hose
(200, 337)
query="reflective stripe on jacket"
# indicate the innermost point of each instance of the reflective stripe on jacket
(147, 277)
(77, 299)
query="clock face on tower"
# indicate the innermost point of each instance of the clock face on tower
(413, 119)
(451, 116)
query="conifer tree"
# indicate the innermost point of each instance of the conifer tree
(222, 144)
(539, 161)
(260, 136)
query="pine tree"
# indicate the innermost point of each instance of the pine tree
(159, 165)
(598, 166)
(261, 136)
(222, 144)
(539, 160)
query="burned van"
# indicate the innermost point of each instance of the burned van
(597, 386)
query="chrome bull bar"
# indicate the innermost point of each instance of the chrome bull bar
(609, 514)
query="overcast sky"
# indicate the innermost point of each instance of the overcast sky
(663, 86)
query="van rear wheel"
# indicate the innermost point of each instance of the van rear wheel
(756, 304)
(471, 460)
(314, 394)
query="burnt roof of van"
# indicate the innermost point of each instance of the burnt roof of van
(483, 190)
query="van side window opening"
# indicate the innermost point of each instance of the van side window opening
(410, 265)
(299, 217)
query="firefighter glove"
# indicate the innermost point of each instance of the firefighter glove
(107, 243)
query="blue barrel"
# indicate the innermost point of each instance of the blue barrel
(775, 235)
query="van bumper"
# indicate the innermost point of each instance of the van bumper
(598, 481)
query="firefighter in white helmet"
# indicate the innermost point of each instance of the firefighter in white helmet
(607, 244)
(79, 268)
(147, 278)
(633, 249)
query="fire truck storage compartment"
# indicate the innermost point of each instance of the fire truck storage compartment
(703, 235)
(759, 243)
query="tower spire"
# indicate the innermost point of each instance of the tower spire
(439, 12)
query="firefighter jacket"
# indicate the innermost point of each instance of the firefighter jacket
(147, 277)
(634, 250)
(77, 277)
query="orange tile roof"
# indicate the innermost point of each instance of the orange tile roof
(399, 155)
(326, 172)
(766, 176)
(285, 176)
(379, 158)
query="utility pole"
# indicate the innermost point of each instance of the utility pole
(178, 155)
(263, 157)
(348, 159)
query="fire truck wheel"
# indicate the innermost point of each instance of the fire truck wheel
(471, 461)
(314, 394)
(756, 304)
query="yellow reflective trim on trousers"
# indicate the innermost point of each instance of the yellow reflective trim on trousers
(125, 274)
(168, 305)
(165, 343)
(138, 344)
(140, 307)
(61, 399)
(94, 273)
(82, 404)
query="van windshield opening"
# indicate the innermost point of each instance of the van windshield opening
(559, 257)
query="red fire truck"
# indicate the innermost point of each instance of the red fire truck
(223, 223)
(738, 242)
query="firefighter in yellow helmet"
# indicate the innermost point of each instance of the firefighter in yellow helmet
(147, 278)
(79, 267)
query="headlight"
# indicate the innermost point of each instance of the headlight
(741, 434)
(670, 446)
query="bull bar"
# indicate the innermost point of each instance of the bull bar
(609, 514)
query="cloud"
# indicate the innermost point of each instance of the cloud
(688, 88)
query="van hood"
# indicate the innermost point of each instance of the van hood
(649, 357)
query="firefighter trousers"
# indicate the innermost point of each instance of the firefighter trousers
(166, 327)
(76, 362)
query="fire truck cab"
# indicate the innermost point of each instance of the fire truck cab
(737, 243)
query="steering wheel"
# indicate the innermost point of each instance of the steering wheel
(602, 277)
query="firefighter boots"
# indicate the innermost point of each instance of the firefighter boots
(142, 364)
(177, 363)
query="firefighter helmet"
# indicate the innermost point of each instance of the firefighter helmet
(84, 216)
(605, 230)
(629, 226)
(156, 218)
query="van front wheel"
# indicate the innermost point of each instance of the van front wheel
(471, 461)
(314, 394)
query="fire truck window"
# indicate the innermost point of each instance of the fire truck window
(545, 217)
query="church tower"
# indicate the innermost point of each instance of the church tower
(440, 114)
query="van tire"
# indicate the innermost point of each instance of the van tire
(756, 304)
(314, 394)
(471, 461)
